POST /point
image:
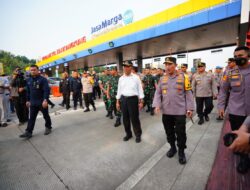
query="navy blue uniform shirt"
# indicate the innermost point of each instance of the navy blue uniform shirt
(75, 84)
(37, 90)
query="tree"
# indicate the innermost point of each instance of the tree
(10, 61)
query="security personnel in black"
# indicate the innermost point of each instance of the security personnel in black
(37, 100)
(64, 87)
(76, 89)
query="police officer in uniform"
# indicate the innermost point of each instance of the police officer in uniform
(205, 89)
(76, 89)
(104, 86)
(237, 81)
(111, 95)
(87, 89)
(230, 65)
(37, 100)
(218, 76)
(174, 98)
(149, 90)
(64, 87)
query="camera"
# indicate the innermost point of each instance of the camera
(229, 139)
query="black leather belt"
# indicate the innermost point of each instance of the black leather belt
(128, 97)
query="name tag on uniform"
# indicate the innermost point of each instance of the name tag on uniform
(37, 86)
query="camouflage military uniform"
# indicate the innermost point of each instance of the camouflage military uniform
(113, 87)
(103, 80)
(149, 90)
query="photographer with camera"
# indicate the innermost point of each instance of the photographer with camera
(18, 95)
(237, 81)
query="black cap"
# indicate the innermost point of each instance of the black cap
(127, 63)
(184, 65)
(230, 60)
(170, 60)
(201, 64)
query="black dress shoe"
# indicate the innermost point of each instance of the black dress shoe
(26, 135)
(148, 110)
(219, 118)
(243, 165)
(94, 108)
(126, 138)
(111, 116)
(182, 157)
(87, 110)
(47, 131)
(21, 123)
(108, 114)
(152, 112)
(172, 151)
(201, 121)
(206, 118)
(117, 123)
(138, 139)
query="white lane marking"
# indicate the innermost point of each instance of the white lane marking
(143, 170)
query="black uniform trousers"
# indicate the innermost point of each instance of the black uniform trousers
(96, 92)
(66, 99)
(50, 103)
(175, 128)
(236, 121)
(33, 114)
(200, 106)
(77, 96)
(130, 112)
(22, 111)
(88, 99)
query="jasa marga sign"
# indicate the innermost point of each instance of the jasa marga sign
(113, 23)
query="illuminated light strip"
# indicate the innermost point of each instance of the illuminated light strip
(178, 11)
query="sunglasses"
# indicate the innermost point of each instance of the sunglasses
(200, 66)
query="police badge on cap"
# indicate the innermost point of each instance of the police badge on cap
(201, 64)
(127, 63)
(170, 60)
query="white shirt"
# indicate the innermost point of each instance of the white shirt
(130, 86)
(87, 87)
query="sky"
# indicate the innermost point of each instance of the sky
(35, 28)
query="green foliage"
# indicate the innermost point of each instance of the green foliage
(10, 61)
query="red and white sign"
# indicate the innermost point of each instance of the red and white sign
(65, 48)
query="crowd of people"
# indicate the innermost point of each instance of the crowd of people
(173, 91)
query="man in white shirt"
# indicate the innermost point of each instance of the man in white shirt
(130, 99)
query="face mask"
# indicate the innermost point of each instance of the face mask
(240, 61)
